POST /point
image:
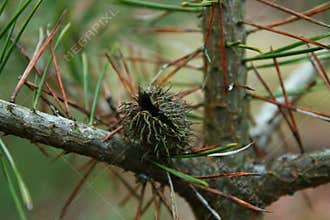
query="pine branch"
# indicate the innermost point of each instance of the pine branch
(61, 133)
(291, 173)
(287, 175)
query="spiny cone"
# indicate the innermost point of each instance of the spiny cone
(157, 120)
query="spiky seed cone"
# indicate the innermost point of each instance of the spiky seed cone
(157, 120)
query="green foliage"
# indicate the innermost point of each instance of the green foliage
(13, 19)
(6, 52)
(283, 51)
(85, 81)
(18, 203)
(97, 92)
(181, 175)
(208, 152)
(25, 195)
(49, 62)
(159, 6)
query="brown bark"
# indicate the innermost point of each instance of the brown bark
(226, 109)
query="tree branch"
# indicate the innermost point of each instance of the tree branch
(291, 173)
(61, 133)
(288, 174)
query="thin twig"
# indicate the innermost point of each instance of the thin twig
(294, 127)
(76, 189)
(316, 10)
(59, 80)
(287, 34)
(290, 11)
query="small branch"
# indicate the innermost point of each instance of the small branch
(290, 11)
(286, 175)
(36, 57)
(316, 10)
(61, 133)
(158, 6)
(291, 173)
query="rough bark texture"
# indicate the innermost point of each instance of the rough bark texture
(226, 112)
(290, 173)
(287, 175)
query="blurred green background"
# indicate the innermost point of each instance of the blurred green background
(50, 182)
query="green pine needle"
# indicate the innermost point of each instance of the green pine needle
(181, 175)
(2, 7)
(158, 6)
(96, 94)
(207, 152)
(14, 18)
(204, 3)
(244, 46)
(21, 185)
(49, 62)
(283, 51)
(300, 43)
(322, 55)
(17, 201)
(85, 79)
(283, 54)
(6, 43)
(18, 36)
